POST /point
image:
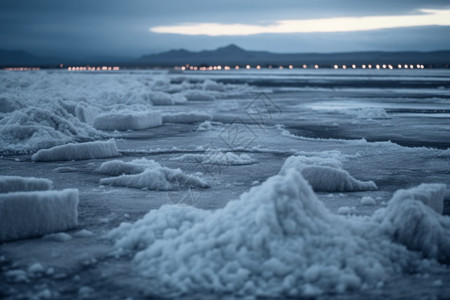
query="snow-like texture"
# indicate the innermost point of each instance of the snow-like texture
(217, 158)
(118, 167)
(326, 174)
(128, 120)
(147, 174)
(278, 240)
(368, 113)
(23, 184)
(90, 150)
(32, 214)
(191, 117)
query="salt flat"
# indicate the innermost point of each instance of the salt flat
(388, 127)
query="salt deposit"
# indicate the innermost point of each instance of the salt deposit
(326, 174)
(32, 214)
(79, 151)
(280, 240)
(23, 184)
(128, 120)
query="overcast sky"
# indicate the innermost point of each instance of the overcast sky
(136, 27)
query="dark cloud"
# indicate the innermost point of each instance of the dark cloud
(113, 27)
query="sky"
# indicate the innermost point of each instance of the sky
(112, 28)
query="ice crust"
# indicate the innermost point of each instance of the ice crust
(80, 151)
(278, 239)
(33, 214)
(22, 184)
(326, 174)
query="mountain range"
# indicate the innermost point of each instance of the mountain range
(232, 55)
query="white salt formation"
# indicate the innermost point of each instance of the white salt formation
(23, 184)
(33, 214)
(186, 118)
(118, 167)
(326, 174)
(80, 151)
(147, 174)
(128, 120)
(217, 158)
(279, 240)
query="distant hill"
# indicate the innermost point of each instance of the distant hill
(233, 55)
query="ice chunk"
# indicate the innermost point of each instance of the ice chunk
(368, 113)
(118, 167)
(161, 98)
(90, 150)
(23, 184)
(157, 179)
(326, 174)
(191, 117)
(128, 120)
(33, 214)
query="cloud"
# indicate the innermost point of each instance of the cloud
(425, 17)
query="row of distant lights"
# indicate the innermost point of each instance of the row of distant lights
(258, 67)
(87, 68)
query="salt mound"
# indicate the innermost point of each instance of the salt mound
(326, 174)
(32, 214)
(161, 98)
(162, 178)
(147, 174)
(276, 240)
(33, 128)
(128, 120)
(200, 95)
(191, 117)
(412, 219)
(217, 158)
(23, 184)
(90, 150)
(118, 167)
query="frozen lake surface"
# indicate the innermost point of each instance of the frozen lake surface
(355, 134)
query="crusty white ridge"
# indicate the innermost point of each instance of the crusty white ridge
(127, 120)
(78, 151)
(23, 184)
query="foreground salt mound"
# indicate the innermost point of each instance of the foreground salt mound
(33, 214)
(148, 174)
(186, 118)
(128, 120)
(217, 158)
(326, 174)
(90, 150)
(23, 184)
(279, 240)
